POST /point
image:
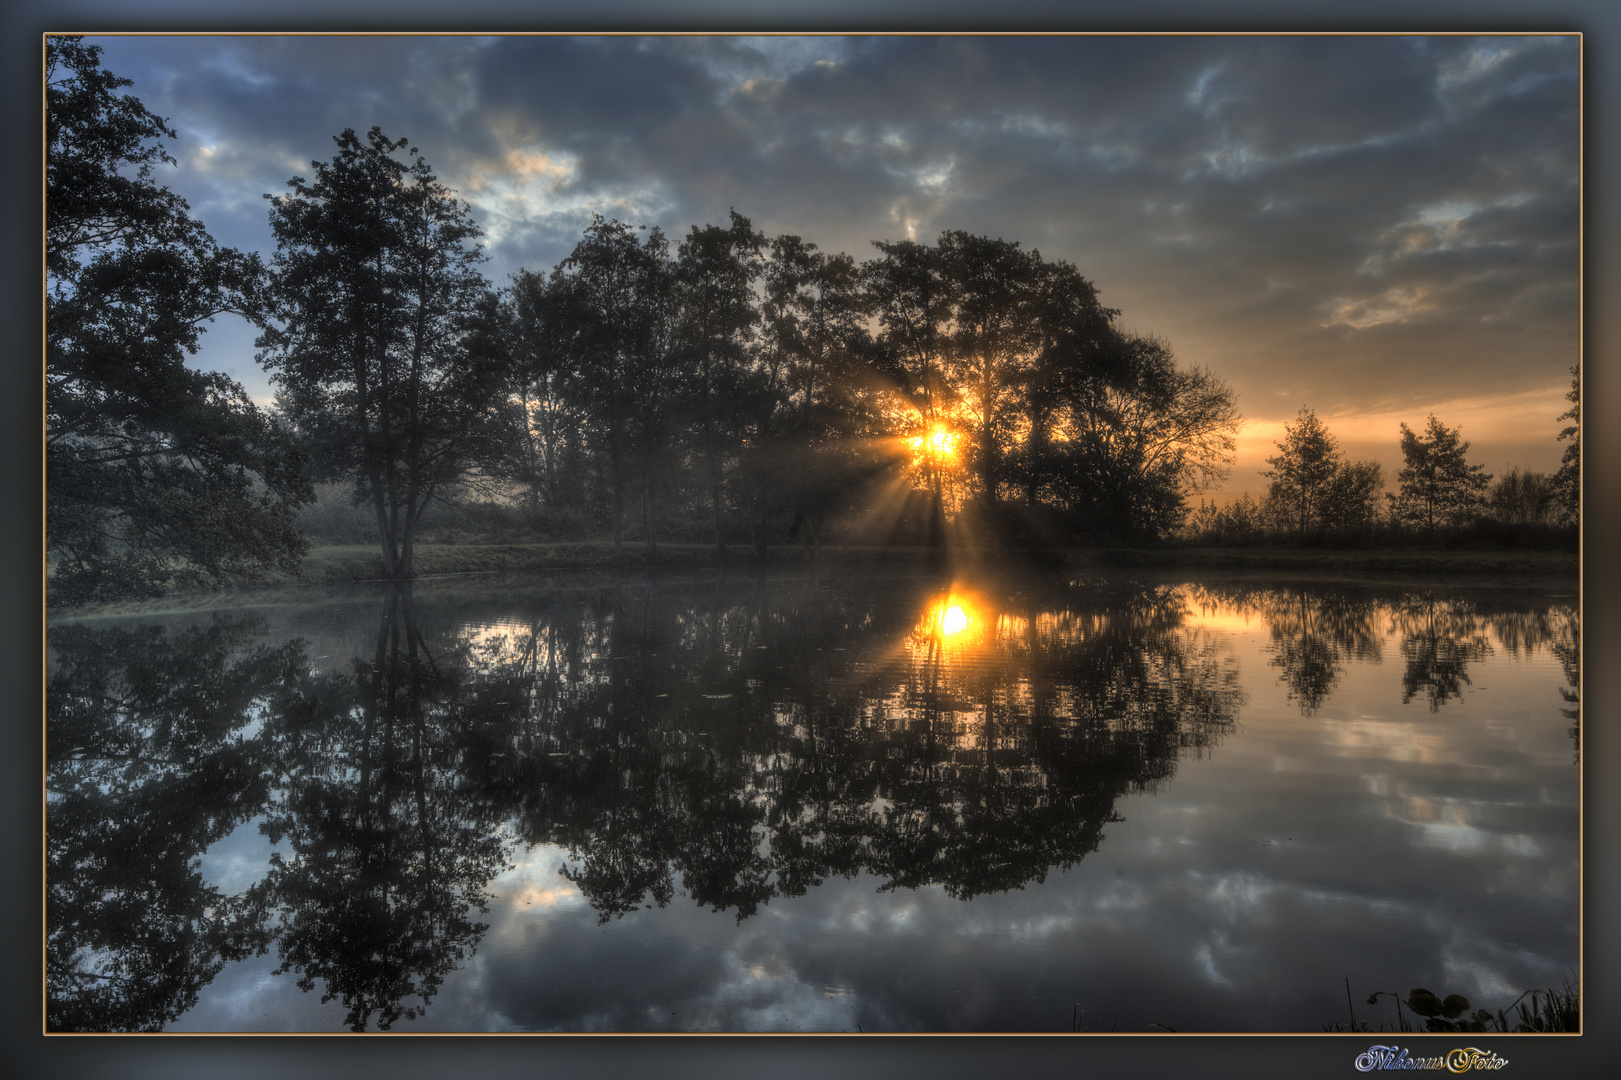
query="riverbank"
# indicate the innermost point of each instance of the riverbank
(1373, 560)
(334, 565)
(344, 564)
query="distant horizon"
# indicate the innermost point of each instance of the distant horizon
(1372, 226)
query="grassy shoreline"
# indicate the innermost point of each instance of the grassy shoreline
(332, 565)
(1373, 560)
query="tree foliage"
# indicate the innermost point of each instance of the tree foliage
(381, 342)
(1438, 485)
(1523, 497)
(742, 380)
(1143, 434)
(1313, 486)
(157, 474)
(615, 297)
(1568, 480)
(714, 274)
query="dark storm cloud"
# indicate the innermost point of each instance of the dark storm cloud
(1363, 224)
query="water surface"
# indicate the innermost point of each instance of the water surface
(885, 803)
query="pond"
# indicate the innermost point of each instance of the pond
(813, 803)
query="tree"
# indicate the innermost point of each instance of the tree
(1304, 470)
(1568, 480)
(1352, 498)
(1075, 341)
(1522, 497)
(1142, 434)
(1313, 486)
(996, 286)
(156, 473)
(913, 300)
(815, 315)
(715, 270)
(618, 293)
(1438, 485)
(546, 459)
(378, 298)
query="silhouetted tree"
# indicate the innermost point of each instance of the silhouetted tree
(1313, 486)
(816, 312)
(1001, 371)
(1352, 498)
(376, 291)
(913, 299)
(1143, 433)
(1302, 472)
(547, 459)
(155, 473)
(1438, 485)
(620, 290)
(1568, 480)
(715, 270)
(1522, 497)
(1076, 342)
(995, 285)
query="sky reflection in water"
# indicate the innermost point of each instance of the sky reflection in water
(795, 805)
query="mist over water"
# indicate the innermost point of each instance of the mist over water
(813, 803)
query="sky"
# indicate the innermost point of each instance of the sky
(1376, 227)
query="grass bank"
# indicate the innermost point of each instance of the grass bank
(1393, 560)
(343, 564)
(334, 564)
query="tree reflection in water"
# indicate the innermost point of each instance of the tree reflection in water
(151, 756)
(739, 743)
(389, 850)
(1317, 630)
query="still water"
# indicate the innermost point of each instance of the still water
(813, 804)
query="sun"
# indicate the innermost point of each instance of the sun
(939, 444)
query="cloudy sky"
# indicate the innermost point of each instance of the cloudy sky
(1376, 227)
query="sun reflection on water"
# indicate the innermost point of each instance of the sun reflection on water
(953, 617)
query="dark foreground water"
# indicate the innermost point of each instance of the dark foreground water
(786, 804)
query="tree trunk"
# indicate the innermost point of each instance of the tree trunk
(647, 521)
(618, 516)
(714, 502)
(759, 523)
(384, 536)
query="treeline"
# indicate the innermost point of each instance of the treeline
(728, 385)
(1319, 496)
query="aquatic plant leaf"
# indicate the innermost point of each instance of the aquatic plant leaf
(1423, 1002)
(1454, 1006)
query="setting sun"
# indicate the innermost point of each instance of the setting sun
(939, 444)
(952, 620)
